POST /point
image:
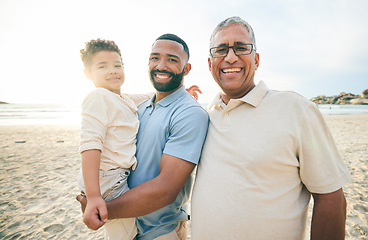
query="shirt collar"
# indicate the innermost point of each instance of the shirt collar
(253, 98)
(168, 99)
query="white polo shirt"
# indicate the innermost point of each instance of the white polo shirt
(263, 155)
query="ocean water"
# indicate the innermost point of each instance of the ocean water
(331, 109)
(24, 114)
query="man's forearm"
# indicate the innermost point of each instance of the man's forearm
(141, 200)
(329, 216)
(155, 193)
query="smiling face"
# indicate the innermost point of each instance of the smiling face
(167, 66)
(234, 74)
(106, 71)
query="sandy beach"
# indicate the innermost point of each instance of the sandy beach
(39, 165)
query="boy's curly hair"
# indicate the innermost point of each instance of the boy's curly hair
(95, 46)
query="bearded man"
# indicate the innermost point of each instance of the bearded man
(173, 128)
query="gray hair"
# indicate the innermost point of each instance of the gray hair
(232, 21)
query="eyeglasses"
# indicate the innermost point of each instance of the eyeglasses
(239, 49)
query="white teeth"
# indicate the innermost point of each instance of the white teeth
(162, 76)
(231, 70)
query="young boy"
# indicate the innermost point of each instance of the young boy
(108, 136)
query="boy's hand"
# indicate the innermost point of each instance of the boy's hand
(194, 90)
(82, 200)
(95, 214)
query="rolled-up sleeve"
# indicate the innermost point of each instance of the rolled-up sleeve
(94, 123)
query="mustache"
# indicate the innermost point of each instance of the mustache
(163, 71)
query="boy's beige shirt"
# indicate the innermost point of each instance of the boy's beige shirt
(110, 124)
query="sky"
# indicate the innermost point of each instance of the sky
(313, 47)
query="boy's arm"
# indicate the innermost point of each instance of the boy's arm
(90, 168)
(96, 211)
(194, 90)
(138, 99)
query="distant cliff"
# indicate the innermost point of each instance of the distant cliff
(3, 102)
(343, 98)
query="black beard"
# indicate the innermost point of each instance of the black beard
(173, 84)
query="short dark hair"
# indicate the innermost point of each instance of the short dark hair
(95, 46)
(173, 37)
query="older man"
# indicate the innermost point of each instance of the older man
(265, 154)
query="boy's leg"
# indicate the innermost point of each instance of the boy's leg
(113, 183)
(121, 229)
(180, 233)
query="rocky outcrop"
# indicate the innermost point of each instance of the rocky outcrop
(3, 102)
(343, 98)
(364, 94)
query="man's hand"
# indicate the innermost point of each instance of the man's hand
(194, 90)
(94, 213)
